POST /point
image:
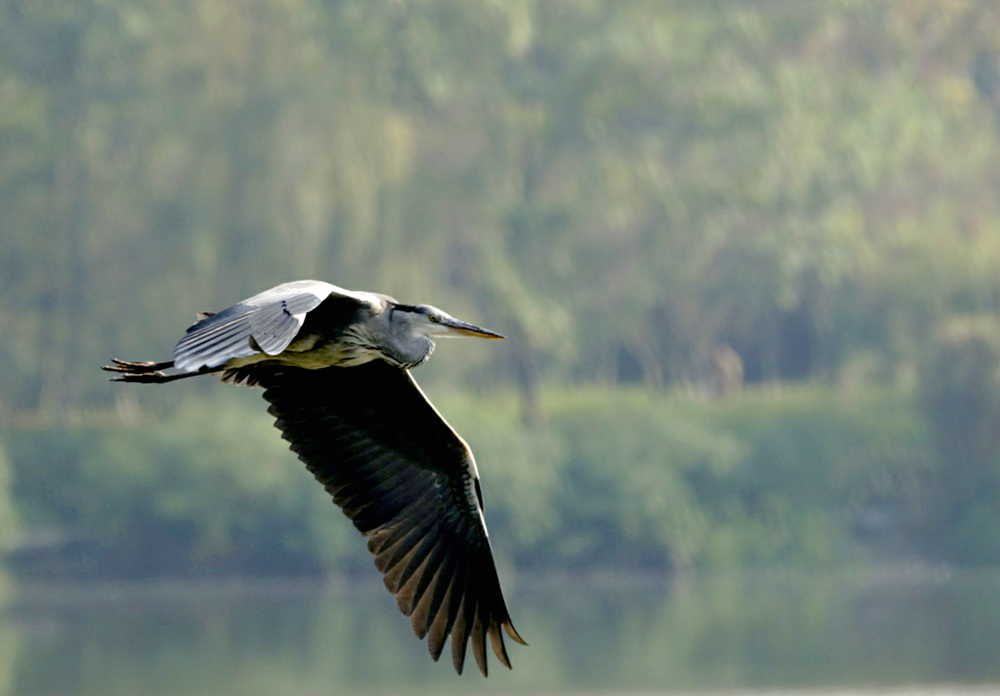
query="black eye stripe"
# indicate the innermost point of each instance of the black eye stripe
(413, 308)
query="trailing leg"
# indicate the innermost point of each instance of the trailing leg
(148, 372)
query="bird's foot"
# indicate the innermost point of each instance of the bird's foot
(136, 367)
(138, 371)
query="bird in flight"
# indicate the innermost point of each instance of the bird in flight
(335, 367)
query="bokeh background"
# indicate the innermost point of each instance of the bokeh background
(744, 432)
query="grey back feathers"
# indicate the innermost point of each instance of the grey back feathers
(265, 323)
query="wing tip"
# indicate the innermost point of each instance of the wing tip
(508, 627)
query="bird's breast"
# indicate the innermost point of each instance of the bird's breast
(329, 354)
(313, 352)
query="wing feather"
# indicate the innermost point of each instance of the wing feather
(463, 622)
(478, 637)
(265, 323)
(441, 615)
(393, 556)
(408, 483)
(424, 580)
(424, 608)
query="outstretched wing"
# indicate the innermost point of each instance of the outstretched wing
(409, 484)
(266, 323)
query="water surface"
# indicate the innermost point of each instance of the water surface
(759, 633)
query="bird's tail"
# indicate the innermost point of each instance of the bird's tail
(147, 372)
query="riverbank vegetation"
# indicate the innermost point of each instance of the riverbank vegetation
(617, 479)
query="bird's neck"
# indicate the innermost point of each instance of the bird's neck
(408, 351)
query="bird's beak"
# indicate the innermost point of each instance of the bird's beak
(455, 327)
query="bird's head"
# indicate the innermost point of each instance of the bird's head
(425, 320)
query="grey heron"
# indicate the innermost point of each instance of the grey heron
(335, 367)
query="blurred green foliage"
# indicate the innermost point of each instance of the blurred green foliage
(205, 491)
(619, 186)
(625, 188)
(960, 395)
(618, 479)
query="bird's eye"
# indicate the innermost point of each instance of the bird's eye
(434, 318)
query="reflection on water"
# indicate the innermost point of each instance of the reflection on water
(759, 632)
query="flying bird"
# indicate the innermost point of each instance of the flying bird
(335, 367)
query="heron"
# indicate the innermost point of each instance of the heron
(335, 366)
